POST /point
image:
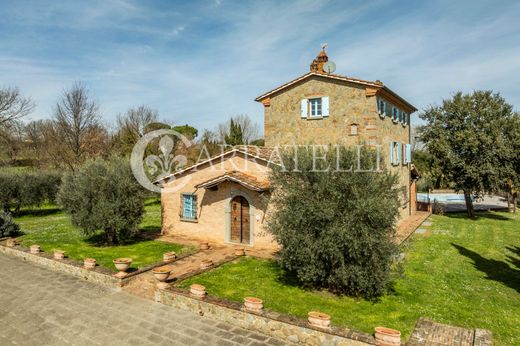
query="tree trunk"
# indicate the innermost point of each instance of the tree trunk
(515, 201)
(469, 204)
(509, 197)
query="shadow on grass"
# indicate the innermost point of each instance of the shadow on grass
(478, 215)
(495, 270)
(515, 259)
(99, 240)
(37, 212)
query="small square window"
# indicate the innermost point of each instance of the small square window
(354, 130)
(315, 107)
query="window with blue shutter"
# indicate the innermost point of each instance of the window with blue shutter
(189, 206)
(395, 114)
(392, 153)
(381, 107)
(408, 153)
(404, 118)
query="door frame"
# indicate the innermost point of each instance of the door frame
(232, 194)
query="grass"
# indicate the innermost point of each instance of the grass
(50, 228)
(461, 272)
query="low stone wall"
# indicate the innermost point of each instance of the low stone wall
(99, 275)
(270, 323)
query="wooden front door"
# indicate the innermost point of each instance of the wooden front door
(240, 220)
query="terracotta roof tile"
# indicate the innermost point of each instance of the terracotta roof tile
(244, 179)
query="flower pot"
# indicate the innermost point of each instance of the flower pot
(59, 255)
(35, 248)
(11, 242)
(169, 256)
(240, 252)
(122, 265)
(204, 245)
(253, 304)
(319, 319)
(387, 337)
(89, 263)
(205, 264)
(161, 273)
(197, 291)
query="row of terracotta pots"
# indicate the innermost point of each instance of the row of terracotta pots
(384, 336)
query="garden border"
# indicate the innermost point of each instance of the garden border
(271, 323)
(99, 275)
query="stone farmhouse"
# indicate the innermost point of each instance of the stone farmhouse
(224, 199)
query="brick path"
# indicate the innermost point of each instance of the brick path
(42, 307)
(144, 284)
(429, 333)
(407, 226)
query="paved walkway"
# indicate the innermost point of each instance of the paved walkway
(144, 285)
(407, 226)
(42, 307)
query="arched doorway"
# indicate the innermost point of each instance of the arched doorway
(240, 226)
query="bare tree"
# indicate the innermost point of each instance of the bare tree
(13, 105)
(250, 129)
(11, 139)
(76, 117)
(134, 125)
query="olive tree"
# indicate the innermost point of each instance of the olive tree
(103, 195)
(334, 224)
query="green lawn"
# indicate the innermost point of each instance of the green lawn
(50, 228)
(462, 272)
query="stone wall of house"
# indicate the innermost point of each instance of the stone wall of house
(212, 218)
(348, 105)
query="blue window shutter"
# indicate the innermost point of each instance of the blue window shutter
(304, 108)
(392, 153)
(325, 106)
(398, 161)
(408, 153)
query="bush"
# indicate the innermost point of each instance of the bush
(27, 189)
(335, 227)
(8, 227)
(104, 196)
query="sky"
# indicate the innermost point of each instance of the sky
(200, 62)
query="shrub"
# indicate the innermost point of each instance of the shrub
(104, 196)
(335, 227)
(8, 227)
(27, 189)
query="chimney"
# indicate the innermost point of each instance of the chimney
(319, 61)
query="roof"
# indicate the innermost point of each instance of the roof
(265, 154)
(241, 178)
(377, 85)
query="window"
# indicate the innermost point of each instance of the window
(395, 114)
(381, 107)
(189, 206)
(408, 158)
(315, 107)
(354, 129)
(395, 153)
(404, 118)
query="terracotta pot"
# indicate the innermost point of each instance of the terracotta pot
(205, 264)
(240, 252)
(319, 319)
(204, 245)
(122, 264)
(197, 291)
(169, 256)
(253, 304)
(387, 337)
(89, 263)
(161, 274)
(11, 242)
(35, 248)
(59, 255)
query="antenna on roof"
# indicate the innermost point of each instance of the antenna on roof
(324, 46)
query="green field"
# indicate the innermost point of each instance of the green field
(50, 228)
(461, 272)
